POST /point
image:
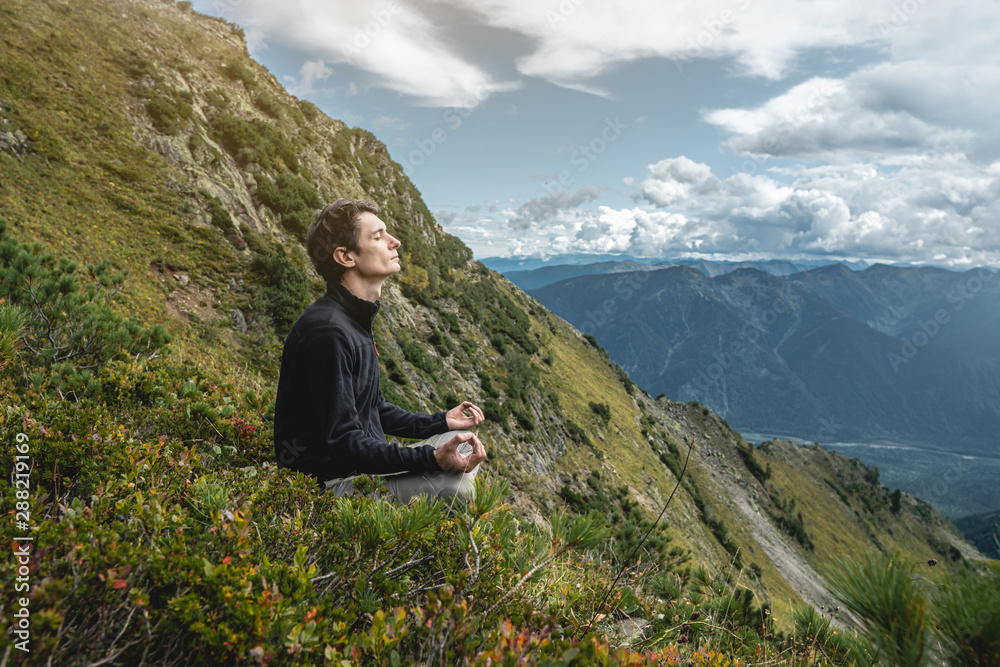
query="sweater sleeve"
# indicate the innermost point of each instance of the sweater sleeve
(403, 424)
(350, 447)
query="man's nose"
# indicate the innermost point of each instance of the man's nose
(394, 243)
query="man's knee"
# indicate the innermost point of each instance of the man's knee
(465, 491)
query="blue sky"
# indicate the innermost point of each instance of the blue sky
(727, 129)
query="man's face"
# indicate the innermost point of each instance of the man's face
(378, 251)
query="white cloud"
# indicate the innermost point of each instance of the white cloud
(311, 72)
(679, 178)
(393, 41)
(945, 208)
(943, 212)
(577, 40)
(551, 206)
(934, 94)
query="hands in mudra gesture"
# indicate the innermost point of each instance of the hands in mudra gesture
(462, 418)
(459, 421)
(449, 458)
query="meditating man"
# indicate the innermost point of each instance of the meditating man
(330, 419)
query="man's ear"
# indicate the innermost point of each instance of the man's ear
(343, 256)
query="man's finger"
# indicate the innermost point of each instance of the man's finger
(478, 453)
(477, 413)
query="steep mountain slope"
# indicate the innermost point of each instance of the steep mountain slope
(774, 355)
(143, 133)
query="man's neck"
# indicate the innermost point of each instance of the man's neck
(369, 291)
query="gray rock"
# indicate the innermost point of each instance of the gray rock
(239, 321)
(16, 142)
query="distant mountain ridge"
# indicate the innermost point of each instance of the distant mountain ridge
(547, 274)
(599, 263)
(895, 354)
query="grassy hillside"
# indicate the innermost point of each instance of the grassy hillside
(143, 134)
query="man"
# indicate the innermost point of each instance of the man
(330, 418)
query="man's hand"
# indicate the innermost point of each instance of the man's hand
(449, 458)
(459, 421)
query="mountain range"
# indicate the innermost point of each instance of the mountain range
(532, 272)
(906, 355)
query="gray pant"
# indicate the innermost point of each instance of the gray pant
(406, 485)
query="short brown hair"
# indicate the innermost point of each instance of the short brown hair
(335, 226)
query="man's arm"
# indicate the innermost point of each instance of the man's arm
(403, 424)
(351, 449)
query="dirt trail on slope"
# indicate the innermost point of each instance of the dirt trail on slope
(799, 574)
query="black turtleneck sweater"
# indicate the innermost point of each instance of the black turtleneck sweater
(330, 419)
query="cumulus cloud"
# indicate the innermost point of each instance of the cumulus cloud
(933, 94)
(548, 207)
(407, 44)
(854, 118)
(942, 210)
(678, 178)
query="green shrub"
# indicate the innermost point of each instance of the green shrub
(268, 104)
(602, 410)
(967, 609)
(309, 110)
(880, 590)
(255, 141)
(283, 288)
(70, 320)
(169, 109)
(521, 375)
(789, 519)
(236, 70)
(746, 453)
(219, 216)
(292, 199)
(217, 98)
(13, 325)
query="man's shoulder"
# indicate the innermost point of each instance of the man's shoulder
(323, 317)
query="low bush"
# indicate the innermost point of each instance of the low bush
(254, 142)
(292, 199)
